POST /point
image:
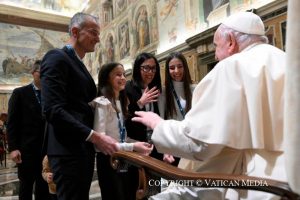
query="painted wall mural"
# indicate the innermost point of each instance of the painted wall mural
(110, 48)
(142, 25)
(20, 46)
(191, 10)
(131, 27)
(177, 21)
(64, 7)
(131, 31)
(168, 9)
(144, 29)
(124, 43)
(120, 5)
(158, 25)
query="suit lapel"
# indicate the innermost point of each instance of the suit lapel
(87, 73)
(32, 98)
(83, 68)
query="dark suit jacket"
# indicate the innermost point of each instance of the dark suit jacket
(137, 130)
(25, 125)
(67, 88)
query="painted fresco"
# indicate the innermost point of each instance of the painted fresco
(159, 25)
(200, 15)
(4, 98)
(144, 29)
(171, 23)
(94, 60)
(92, 63)
(124, 43)
(106, 51)
(131, 31)
(154, 36)
(191, 10)
(64, 7)
(110, 48)
(120, 5)
(19, 48)
(177, 21)
(241, 5)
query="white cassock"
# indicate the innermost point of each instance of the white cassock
(235, 125)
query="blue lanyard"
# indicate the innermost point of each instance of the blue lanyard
(38, 96)
(177, 100)
(122, 129)
(72, 52)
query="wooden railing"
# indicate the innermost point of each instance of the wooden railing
(151, 168)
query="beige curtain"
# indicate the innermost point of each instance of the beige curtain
(292, 96)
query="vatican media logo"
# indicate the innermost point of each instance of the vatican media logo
(208, 183)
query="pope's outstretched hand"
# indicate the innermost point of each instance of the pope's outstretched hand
(149, 119)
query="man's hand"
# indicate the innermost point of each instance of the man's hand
(104, 143)
(148, 96)
(149, 119)
(16, 156)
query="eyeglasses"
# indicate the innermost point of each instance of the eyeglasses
(93, 32)
(148, 68)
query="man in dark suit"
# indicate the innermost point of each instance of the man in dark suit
(67, 89)
(25, 132)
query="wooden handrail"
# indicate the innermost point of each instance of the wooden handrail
(150, 167)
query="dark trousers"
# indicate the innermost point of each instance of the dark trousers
(72, 175)
(176, 162)
(114, 185)
(53, 196)
(30, 174)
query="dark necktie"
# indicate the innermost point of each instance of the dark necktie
(38, 92)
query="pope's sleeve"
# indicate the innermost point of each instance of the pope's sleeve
(171, 137)
(188, 138)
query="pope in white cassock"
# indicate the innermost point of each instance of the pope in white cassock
(235, 125)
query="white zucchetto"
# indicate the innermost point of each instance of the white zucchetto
(245, 22)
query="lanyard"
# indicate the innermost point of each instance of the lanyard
(148, 107)
(73, 52)
(177, 100)
(37, 95)
(122, 129)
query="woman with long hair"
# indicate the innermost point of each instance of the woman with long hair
(142, 91)
(176, 98)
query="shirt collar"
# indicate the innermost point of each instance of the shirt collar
(35, 87)
(75, 52)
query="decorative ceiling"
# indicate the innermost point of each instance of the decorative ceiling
(59, 7)
(47, 14)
